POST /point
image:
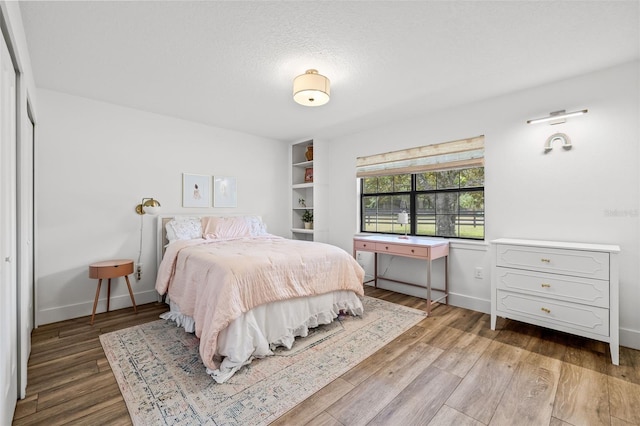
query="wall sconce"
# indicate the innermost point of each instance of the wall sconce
(311, 89)
(148, 205)
(557, 117)
(151, 206)
(403, 219)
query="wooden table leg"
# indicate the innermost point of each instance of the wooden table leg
(95, 302)
(126, 277)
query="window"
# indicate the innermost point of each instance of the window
(445, 204)
(442, 196)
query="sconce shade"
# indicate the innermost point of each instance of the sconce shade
(152, 210)
(148, 205)
(311, 89)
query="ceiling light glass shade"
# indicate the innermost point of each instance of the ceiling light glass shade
(311, 89)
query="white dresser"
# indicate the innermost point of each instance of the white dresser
(571, 287)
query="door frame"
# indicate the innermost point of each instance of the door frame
(8, 224)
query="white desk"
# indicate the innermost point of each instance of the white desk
(414, 247)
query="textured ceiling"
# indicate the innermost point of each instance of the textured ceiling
(231, 64)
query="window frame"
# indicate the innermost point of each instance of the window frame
(413, 193)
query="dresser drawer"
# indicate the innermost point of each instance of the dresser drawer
(402, 250)
(553, 313)
(364, 245)
(562, 287)
(589, 264)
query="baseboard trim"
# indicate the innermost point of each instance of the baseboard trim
(471, 303)
(454, 299)
(630, 338)
(62, 313)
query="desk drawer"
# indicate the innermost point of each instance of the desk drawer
(364, 245)
(562, 287)
(403, 250)
(589, 264)
(553, 313)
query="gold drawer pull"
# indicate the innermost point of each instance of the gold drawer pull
(548, 311)
(544, 285)
(545, 260)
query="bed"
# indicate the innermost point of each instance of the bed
(244, 291)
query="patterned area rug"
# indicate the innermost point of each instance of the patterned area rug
(163, 380)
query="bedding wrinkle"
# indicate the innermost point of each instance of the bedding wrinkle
(216, 281)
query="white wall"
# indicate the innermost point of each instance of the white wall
(587, 194)
(95, 163)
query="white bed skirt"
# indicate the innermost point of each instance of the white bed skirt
(257, 332)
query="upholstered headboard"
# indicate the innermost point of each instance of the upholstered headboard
(161, 235)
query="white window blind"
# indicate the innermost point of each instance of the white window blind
(463, 153)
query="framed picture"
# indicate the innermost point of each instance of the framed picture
(308, 174)
(224, 192)
(196, 190)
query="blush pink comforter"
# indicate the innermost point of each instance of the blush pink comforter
(215, 281)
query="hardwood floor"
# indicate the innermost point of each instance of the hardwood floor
(450, 369)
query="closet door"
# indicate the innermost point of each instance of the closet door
(8, 224)
(25, 265)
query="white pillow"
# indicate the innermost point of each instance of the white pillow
(256, 226)
(184, 228)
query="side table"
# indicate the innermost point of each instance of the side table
(111, 269)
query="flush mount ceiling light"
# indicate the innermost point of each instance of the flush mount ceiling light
(557, 117)
(311, 89)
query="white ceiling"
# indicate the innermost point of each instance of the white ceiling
(230, 64)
